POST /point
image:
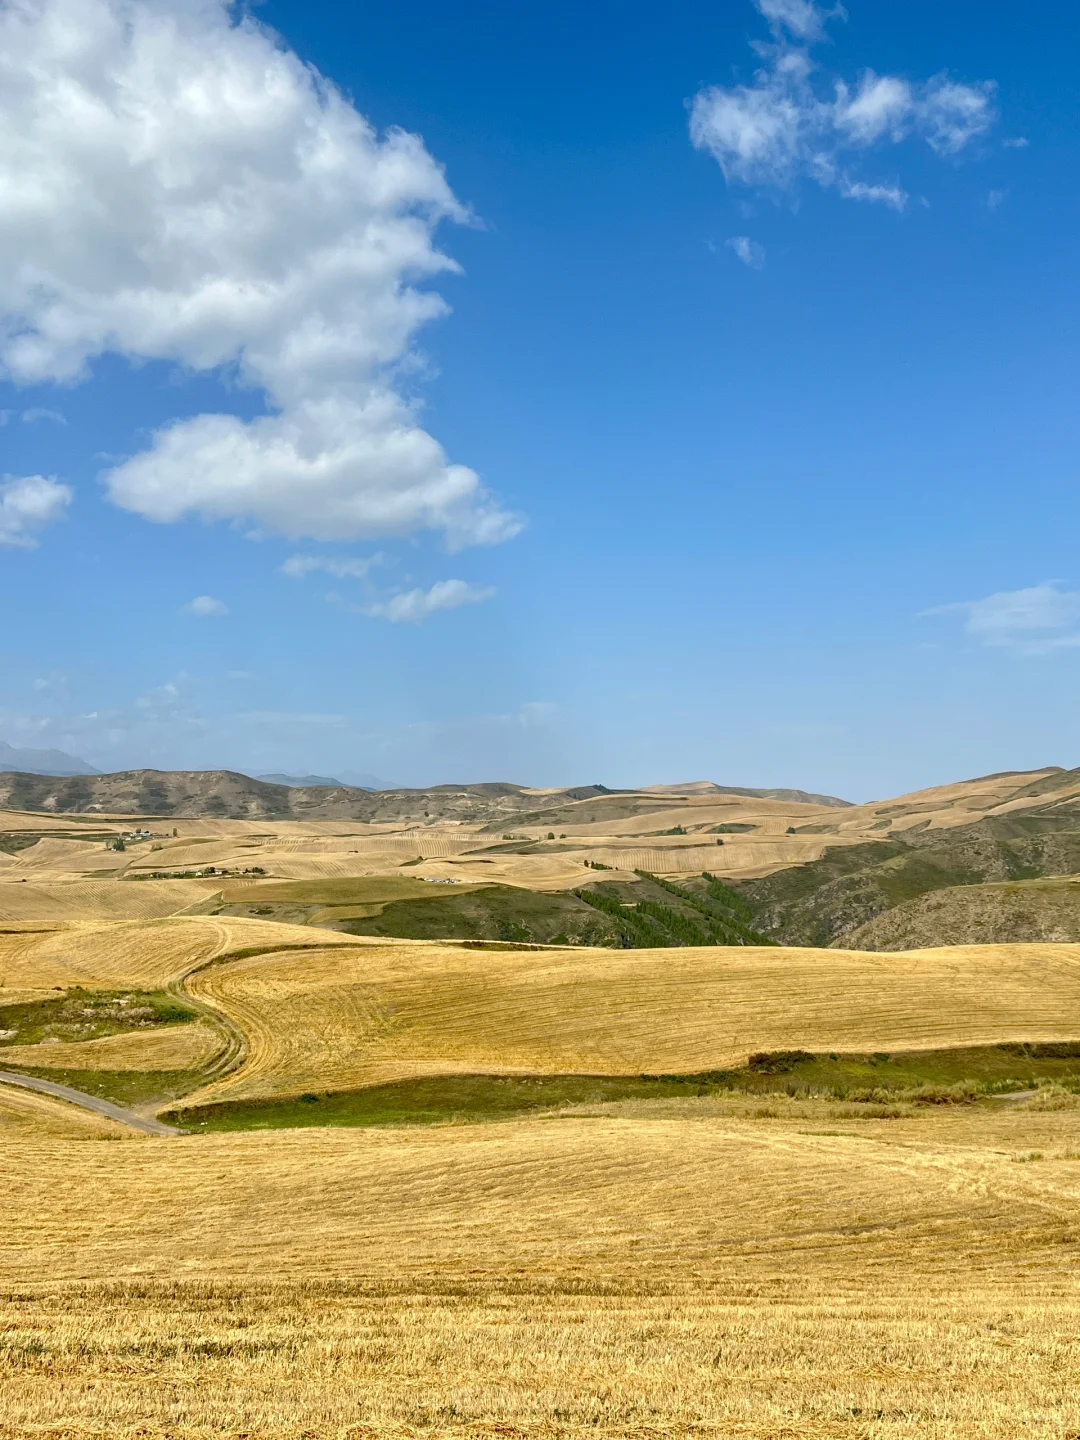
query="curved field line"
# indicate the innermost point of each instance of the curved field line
(345, 1019)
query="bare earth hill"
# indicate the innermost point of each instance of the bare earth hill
(229, 795)
(226, 794)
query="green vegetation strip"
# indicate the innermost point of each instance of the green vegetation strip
(710, 914)
(80, 1014)
(932, 1077)
(122, 1087)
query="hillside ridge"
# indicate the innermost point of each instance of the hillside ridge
(232, 795)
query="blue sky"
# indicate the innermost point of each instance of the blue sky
(741, 446)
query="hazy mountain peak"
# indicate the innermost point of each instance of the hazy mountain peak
(42, 762)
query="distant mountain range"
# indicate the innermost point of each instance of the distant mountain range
(300, 782)
(350, 780)
(226, 794)
(709, 787)
(43, 762)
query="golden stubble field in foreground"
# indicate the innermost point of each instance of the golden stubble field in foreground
(758, 1268)
(710, 1267)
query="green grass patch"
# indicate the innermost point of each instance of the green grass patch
(504, 913)
(428, 1101)
(80, 1014)
(709, 914)
(933, 1077)
(122, 1087)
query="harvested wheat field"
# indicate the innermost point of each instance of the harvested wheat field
(370, 1013)
(706, 1271)
(727, 1265)
(24, 1114)
(175, 1047)
(98, 899)
(142, 954)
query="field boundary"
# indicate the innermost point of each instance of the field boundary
(147, 1124)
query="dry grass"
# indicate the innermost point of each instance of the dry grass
(145, 955)
(99, 899)
(136, 954)
(697, 1273)
(364, 1014)
(172, 1047)
(24, 1115)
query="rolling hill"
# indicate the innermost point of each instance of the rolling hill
(807, 871)
(863, 1224)
(846, 896)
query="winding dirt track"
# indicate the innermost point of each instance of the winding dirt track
(89, 1102)
(231, 1055)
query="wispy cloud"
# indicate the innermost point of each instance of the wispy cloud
(799, 17)
(793, 124)
(298, 567)
(32, 416)
(416, 605)
(1032, 621)
(748, 251)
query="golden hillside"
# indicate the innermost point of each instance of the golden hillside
(369, 1014)
(57, 866)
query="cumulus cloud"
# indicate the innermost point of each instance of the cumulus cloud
(748, 251)
(178, 186)
(27, 506)
(417, 605)
(206, 607)
(790, 125)
(1034, 620)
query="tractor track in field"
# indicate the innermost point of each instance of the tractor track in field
(236, 1048)
(233, 1054)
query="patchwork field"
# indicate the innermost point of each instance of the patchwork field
(474, 1188)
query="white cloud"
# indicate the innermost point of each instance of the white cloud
(417, 605)
(1033, 621)
(890, 195)
(996, 198)
(788, 126)
(27, 506)
(749, 251)
(178, 186)
(880, 108)
(206, 607)
(1017, 142)
(298, 567)
(37, 413)
(803, 19)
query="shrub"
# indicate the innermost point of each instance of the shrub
(776, 1062)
